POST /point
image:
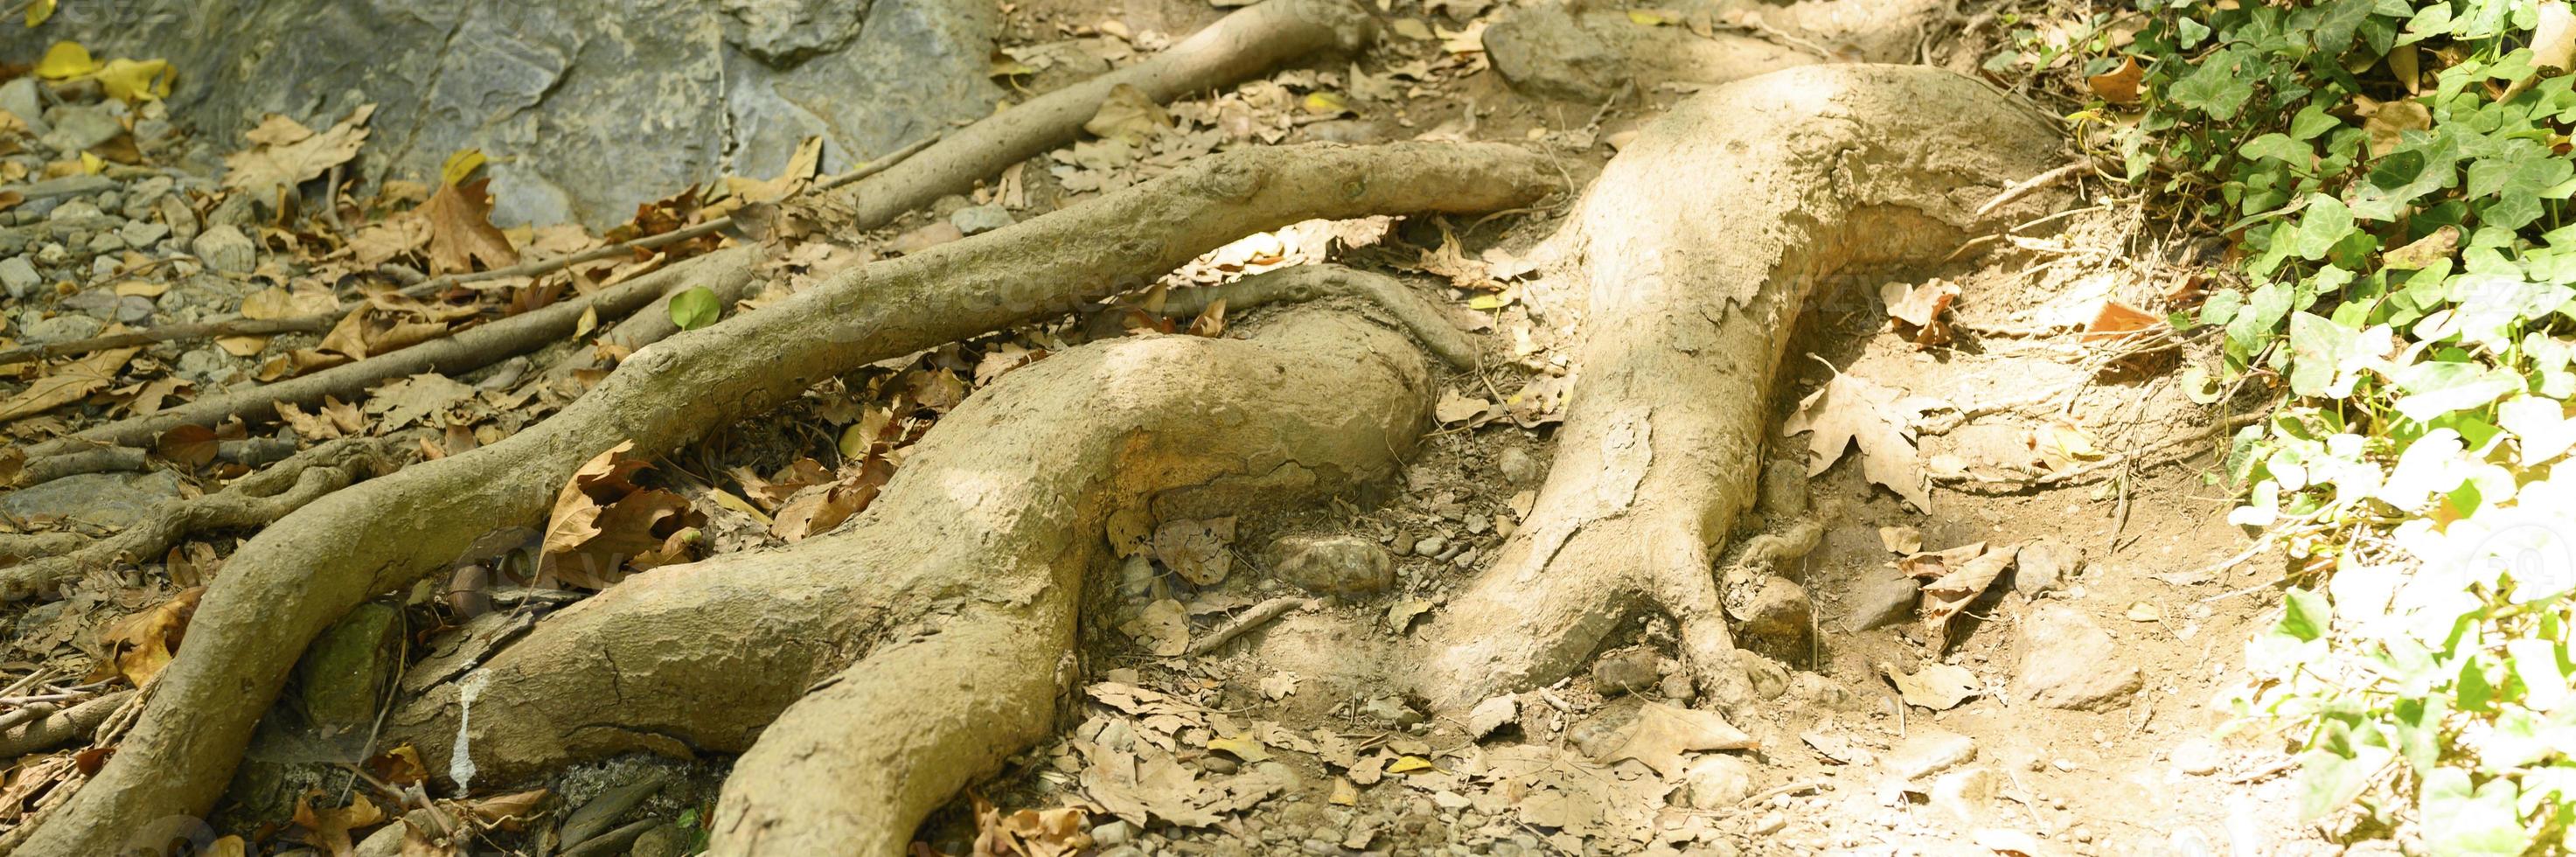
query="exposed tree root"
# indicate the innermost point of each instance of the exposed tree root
(1698, 248)
(1416, 313)
(934, 632)
(254, 500)
(60, 727)
(305, 571)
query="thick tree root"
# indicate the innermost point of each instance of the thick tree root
(934, 631)
(306, 570)
(254, 500)
(1693, 294)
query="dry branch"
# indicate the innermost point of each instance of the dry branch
(305, 571)
(60, 727)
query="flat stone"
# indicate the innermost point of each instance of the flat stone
(1784, 490)
(1927, 750)
(2068, 661)
(19, 98)
(981, 219)
(1717, 781)
(143, 233)
(106, 499)
(20, 276)
(1776, 611)
(64, 328)
(2043, 566)
(99, 303)
(1517, 467)
(79, 127)
(1628, 672)
(1332, 564)
(225, 248)
(1879, 600)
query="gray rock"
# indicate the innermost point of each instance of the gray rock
(105, 244)
(1880, 599)
(206, 366)
(64, 328)
(669, 840)
(225, 248)
(1546, 51)
(143, 233)
(580, 119)
(97, 303)
(1784, 490)
(181, 219)
(105, 499)
(1768, 678)
(19, 98)
(134, 309)
(1927, 750)
(980, 219)
(1517, 466)
(1332, 564)
(67, 186)
(2070, 662)
(75, 210)
(78, 127)
(2044, 565)
(1111, 834)
(1775, 611)
(1717, 781)
(1430, 546)
(20, 276)
(1628, 672)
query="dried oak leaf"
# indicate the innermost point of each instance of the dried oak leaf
(602, 521)
(70, 382)
(1955, 578)
(461, 233)
(287, 153)
(1850, 409)
(138, 646)
(1663, 733)
(1196, 550)
(1128, 115)
(1917, 309)
(1028, 832)
(2119, 85)
(815, 511)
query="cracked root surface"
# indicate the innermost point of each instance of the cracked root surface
(934, 631)
(1698, 248)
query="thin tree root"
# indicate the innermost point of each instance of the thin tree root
(1827, 169)
(60, 727)
(308, 569)
(1411, 309)
(1259, 615)
(254, 500)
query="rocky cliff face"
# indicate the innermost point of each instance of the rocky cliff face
(586, 107)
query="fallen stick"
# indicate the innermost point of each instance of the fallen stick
(467, 350)
(61, 727)
(306, 570)
(1259, 615)
(319, 322)
(252, 500)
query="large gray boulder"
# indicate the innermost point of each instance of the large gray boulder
(586, 107)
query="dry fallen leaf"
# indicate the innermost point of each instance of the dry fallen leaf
(1901, 539)
(461, 233)
(1850, 409)
(2423, 252)
(1663, 733)
(1163, 627)
(1196, 550)
(288, 154)
(602, 521)
(1955, 578)
(69, 382)
(1917, 309)
(1028, 832)
(2119, 85)
(2387, 121)
(801, 168)
(138, 646)
(1128, 115)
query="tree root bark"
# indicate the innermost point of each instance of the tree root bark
(1698, 249)
(303, 572)
(882, 666)
(61, 727)
(254, 500)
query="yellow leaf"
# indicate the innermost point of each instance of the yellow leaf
(1326, 103)
(461, 166)
(1345, 792)
(1243, 747)
(64, 61)
(589, 322)
(38, 11)
(1649, 17)
(1410, 764)
(91, 164)
(134, 81)
(728, 500)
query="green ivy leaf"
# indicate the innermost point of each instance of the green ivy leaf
(2304, 614)
(2219, 87)
(2278, 146)
(2464, 821)
(695, 308)
(2318, 348)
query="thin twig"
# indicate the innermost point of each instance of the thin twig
(324, 321)
(2024, 187)
(1259, 614)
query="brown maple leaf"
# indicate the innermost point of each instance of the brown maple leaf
(461, 231)
(290, 154)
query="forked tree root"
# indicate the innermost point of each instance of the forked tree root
(1697, 249)
(868, 673)
(308, 569)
